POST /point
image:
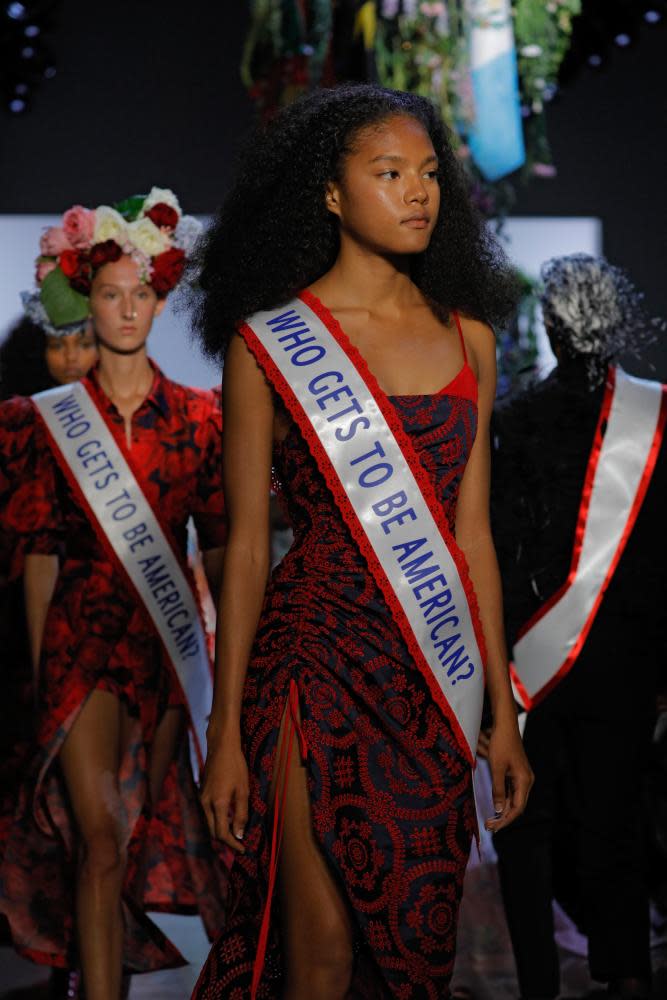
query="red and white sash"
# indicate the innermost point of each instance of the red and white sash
(385, 497)
(130, 530)
(625, 448)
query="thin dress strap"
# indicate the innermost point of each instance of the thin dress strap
(463, 343)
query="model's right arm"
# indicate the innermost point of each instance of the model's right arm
(247, 446)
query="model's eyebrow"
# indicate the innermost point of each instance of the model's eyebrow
(394, 158)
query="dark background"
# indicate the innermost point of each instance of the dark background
(149, 93)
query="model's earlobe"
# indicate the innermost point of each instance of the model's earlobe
(331, 198)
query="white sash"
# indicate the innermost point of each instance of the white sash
(127, 522)
(419, 572)
(620, 467)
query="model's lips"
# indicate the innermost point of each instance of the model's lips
(128, 329)
(419, 221)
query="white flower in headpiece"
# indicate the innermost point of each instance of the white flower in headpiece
(162, 196)
(145, 236)
(187, 233)
(109, 225)
(143, 262)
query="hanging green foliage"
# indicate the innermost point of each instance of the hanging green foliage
(295, 45)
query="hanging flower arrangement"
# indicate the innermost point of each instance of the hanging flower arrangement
(422, 47)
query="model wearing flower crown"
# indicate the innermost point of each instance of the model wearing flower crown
(108, 823)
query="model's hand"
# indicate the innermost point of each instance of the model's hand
(511, 774)
(224, 792)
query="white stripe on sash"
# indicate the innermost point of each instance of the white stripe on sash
(553, 639)
(126, 520)
(385, 499)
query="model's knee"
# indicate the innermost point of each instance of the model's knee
(102, 855)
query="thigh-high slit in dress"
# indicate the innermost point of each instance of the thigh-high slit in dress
(390, 789)
(98, 638)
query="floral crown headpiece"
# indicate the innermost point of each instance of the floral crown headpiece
(151, 229)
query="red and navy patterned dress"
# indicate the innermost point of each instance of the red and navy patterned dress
(97, 636)
(391, 790)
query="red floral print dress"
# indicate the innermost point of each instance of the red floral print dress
(97, 636)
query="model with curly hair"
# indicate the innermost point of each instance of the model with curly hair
(339, 763)
(31, 360)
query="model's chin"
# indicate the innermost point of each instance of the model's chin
(123, 344)
(415, 240)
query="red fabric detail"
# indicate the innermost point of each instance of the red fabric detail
(579, 536)
(524, 697)
(327, 470)
(292, 725)
(463, 343)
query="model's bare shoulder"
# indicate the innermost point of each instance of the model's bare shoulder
(480, 342)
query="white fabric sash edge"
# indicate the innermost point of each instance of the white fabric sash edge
(128, 523)
(550, 646)
(385, 498)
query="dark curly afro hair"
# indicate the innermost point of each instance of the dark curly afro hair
(23, 368)
(273, 235)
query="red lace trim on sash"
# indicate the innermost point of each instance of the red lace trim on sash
(412, 457)
(65, 468)
(290, 400)
(292, 725)
(580, 530)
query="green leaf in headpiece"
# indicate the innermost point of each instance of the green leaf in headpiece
(130, 207)
(62, 304)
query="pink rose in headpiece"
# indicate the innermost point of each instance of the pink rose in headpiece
(43, 268)
(54, 241)
(79, 226)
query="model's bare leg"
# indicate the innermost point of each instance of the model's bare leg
(316, 925)
(90, 759)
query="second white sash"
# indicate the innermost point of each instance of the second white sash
(130, 527)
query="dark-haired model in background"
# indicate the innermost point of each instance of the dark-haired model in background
(339, 199)
(588, 735)
(30, 360)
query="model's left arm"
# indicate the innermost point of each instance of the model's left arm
(209, 502)
(510, 770)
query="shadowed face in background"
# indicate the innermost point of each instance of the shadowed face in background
(71, 356)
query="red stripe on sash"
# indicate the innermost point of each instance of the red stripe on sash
(579, 538)
(325, 466)
(65, 468)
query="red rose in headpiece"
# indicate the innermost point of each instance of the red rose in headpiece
(81, 283)
(167, 270)
(70, 263)
(76, 268)
(105, 253)
(164, 216)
